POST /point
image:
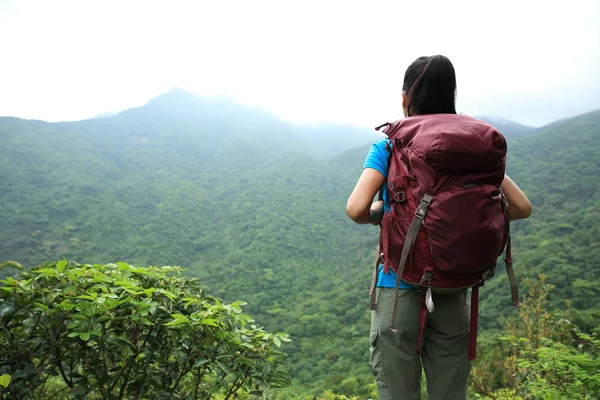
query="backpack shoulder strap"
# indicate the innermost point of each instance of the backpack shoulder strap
(388, 148)
(411, 237)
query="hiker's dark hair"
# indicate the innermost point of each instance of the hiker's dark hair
(430, 84)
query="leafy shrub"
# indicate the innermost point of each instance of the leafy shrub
(542, 356)
(115, 331)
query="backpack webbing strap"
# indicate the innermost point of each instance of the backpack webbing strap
(411, 238)
(514, 286)
(378, 260)
(474, 322)
(422, 318)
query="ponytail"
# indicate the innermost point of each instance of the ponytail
(430, 85)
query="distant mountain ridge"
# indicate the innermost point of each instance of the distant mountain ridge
(322, 140)
(105, 115)
(510, 129)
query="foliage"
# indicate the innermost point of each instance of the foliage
(252, 209)
(542, 356)
(116, 331)
(236, 201)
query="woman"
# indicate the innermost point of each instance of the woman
(429, 88)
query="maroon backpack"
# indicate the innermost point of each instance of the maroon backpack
(448, 222)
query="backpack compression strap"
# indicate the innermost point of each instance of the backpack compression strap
(411, 237)
(472, 350)
(514, 294)
(514, 286)
(378, 260)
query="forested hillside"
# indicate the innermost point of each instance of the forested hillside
(510, 129)
(560, 168)
(254, 207)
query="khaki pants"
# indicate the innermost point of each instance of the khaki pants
(444, 346)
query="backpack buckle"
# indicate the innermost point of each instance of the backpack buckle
(423, 206)
(425, 283)
(399, 197)
(487, 274)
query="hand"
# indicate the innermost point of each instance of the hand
(376, 212)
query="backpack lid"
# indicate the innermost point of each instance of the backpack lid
(450, 142)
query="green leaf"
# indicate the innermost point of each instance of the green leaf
(60, 266)
(85, 336)
(96, 332)
(209, 321)
(247, 318)
(127, 342)
(5, 380)
(69, 289)
(277, 341)
(13, 264)
(42, 306)
(124, 283)
(46, 272)
(178, 319)
(284, 336)
(25, 372)
(169, 294)
(174, 323)
(101, 278)
(200, 361)
(224, 368)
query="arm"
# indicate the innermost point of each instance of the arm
(376, 212)
(519, 206)
(359, 203)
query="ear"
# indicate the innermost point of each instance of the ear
(405, 103)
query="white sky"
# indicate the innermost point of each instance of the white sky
(305, 61)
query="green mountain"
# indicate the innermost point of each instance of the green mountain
(255, 208)
(510, 129)
(559, 166)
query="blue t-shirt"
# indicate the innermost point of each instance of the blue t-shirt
(378, 160)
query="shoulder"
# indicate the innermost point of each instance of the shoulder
(380, 148)
(378, 157)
